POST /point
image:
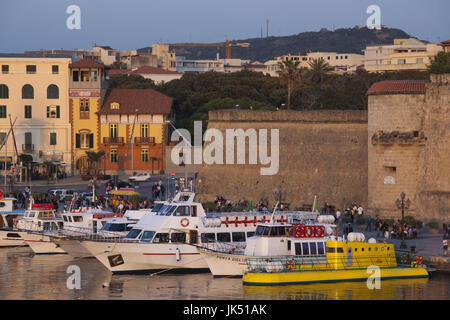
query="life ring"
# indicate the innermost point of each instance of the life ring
(298, 232)
(290, 265)
(309, 232)
(419, 259)
(403, 258)
(319, 231)
(184, 222)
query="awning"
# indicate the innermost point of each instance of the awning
(123, 193)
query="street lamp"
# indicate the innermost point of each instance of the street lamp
(402, 204)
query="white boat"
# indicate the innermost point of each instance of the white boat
(167, 237)
(273, 240)
(8, 236)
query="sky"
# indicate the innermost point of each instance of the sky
(133, 24)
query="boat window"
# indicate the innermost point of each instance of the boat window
(178, 237)
(356, 249)
(13, 235)
(170, 210)
(298, 250)
(305, 249)
(64, 218)
(266, 231)
(77, 219)
(340, 250)
(277, 231)
(388, 248)
(376, 249)
(250, 234)
(238, 236)
(70, 218)
(259, 230)
(193, 211)
(331, 250)
(370, 249)
(114, 227)
(128, 227)
(147, 236)
(161, 238)
(60, 225)
(313, 247)
(362, 249)
(182, 211)
(382, 248)
(157, 207)
(46, 225)
(289, 245)
(133, 233)
(320, 249)
(162, 210)
(208, 237)
(223, 236)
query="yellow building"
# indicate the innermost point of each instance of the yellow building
(34, 96)
(404, 54)
(87, 87)
(166, 59)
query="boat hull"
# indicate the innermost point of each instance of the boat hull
(73, 247)
(225, 265)
(11, 238)
(122, 257)
(304, 277)
(42, 244)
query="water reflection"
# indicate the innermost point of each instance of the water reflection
(24, 275)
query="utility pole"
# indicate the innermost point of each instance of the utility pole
(267, 28)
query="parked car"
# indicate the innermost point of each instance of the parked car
(140, 177)
(62, 193)
(120, 184)
(87, 195)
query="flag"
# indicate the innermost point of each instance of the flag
(250, 206)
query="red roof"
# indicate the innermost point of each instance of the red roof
(148, 101)
(111, 72)
(86, 62)
(398, 86)
(153, 70)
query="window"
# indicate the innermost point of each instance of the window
(340, 250)
(208, 237)
(144, 130)
(64, 218)
(144, 155)
(27, 92)
(75, 76)
(250, 234)
(94, 75)
(84, 76)
(84, 140)
(238, 236)
(182, 211)
(2, 111)
(178, 237)
(31, 68)
(4, 91)
(12, 235)
(113, 130)
(5, 68)
(77, 219)
(53, 112)
(133, 233)
(84, 105)
(320, 248)
(53, 138)
(114, 106)
(401, 61)
(147, 236)
(259, 230)
(305, 248)
(27, 112)
(223, 236)
(113, 157)
(298, 250)
(390, 169)
(52, 92)
(161, 238)
(55, 69)
(313, 248)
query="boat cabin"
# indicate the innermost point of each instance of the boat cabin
(9, 212)
(40, 220)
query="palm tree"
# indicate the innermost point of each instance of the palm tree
(317, 69)
(93, 160)
(289, 73)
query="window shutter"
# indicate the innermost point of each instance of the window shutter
(57, 111)
(48, 111)
(91, 140)
(77, 140)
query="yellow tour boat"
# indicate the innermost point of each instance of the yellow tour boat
(353, 260)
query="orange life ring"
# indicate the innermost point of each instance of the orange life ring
(297, 232)
(319, 231)
(419, 259)
(403, 258)
(290, 265)
(184, 222)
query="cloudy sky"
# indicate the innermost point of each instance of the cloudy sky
(131, 24)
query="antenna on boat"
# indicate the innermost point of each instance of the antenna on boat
(273, 213)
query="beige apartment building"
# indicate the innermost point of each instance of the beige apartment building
(34, 96)
(403, 54)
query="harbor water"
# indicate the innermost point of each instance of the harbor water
(24, 275)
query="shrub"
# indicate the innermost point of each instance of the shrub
(413, 222)
(433, 224)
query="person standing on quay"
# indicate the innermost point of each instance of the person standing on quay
(445, 245)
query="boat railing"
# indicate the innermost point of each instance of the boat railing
(316, 263)
(223, 247)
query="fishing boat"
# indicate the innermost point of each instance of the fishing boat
(168, 237)
(9, 237)
(273, 240)
(352, 259)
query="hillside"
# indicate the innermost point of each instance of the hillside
(349, 40)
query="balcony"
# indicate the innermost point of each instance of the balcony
(144, 140)
(112, 140)
(28, 147)
(84, 115)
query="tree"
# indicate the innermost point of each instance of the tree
(289, 74)
(119, 65)
(440, 63)
(94, 160)
(317, 69)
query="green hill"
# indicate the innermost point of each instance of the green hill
(344, 40)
